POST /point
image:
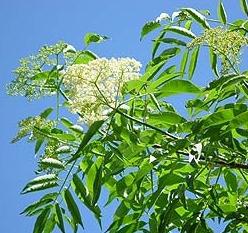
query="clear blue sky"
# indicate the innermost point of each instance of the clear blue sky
(28, 24)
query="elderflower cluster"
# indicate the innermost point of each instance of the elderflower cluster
(95, 88)
(28, 125)
(31, 80)
(227, 44)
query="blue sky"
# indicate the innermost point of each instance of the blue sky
(27, 25)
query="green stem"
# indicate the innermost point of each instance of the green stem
(145, 124)
(230, 24)
(64, 182)
(57, 90)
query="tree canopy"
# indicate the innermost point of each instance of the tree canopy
(167, 168)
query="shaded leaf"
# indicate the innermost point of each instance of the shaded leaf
(72, 207)
(193, 61)
(59, 218)
(87, 137)
(231, 180)
(149, 27)
(173, 41)
(41, 221)
(38, 145)
(46, 113)
(213, 60)
(48, 198)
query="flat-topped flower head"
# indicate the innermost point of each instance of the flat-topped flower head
(225, 43)
(95, 88)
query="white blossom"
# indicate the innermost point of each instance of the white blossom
(95, 88)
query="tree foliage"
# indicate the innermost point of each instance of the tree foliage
(167, 171)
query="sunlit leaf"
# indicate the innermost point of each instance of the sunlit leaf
(222, 12)
(38, 187)
(181, 31)
(197, 16)
(244, 6)
(184, 62)
(94, 38)
(52, 163)
(175, 87)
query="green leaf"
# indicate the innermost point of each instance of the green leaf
(197, 16)
(244, 6)
(161, 80)
(220, 117)
(239, 120)
(149, 27)
(155, 101)
(151, 71)
(38, 187)
(77, 129)
(46, 113)
(42, 179)
(175, 87)
(50, 224)
(64, 136)
(97, 185)
(38, 145)
(72, 207)
(52, 163)
(156, 43)
(48, 198)
(167, 118)
(41, 221)
(213, 60)
(193, 61)
(222, 13)
(94, 179)
(94, 38)
(44, 76)
(83, 195)
(231, 180)
(181, 31)
(85, 57)
(184, 62)
(66, 122)
(173, 41)
(165, 56)
(59, 218)
(87, 137)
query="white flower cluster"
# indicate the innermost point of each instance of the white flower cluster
(95, 88)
